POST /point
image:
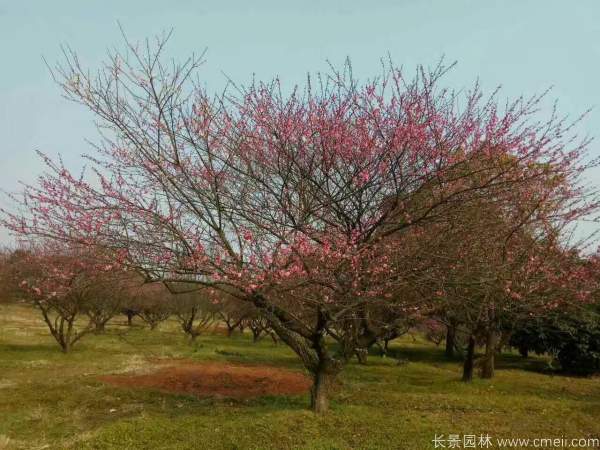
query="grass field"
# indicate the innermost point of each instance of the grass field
(56, 401)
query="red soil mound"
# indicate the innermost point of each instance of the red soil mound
(217, 380)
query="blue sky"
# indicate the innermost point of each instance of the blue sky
(523, 45)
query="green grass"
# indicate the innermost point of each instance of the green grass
(52, 400)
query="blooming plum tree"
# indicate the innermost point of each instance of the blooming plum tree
(313, 205)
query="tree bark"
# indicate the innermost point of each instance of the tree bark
(469, 361)
(362, 355)
(65, 346)
(319, 393)
(310, 346)
(487, 369)
(450, 341)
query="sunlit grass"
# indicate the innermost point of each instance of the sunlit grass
(52, 400)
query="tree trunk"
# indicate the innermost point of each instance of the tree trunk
(362, 355)
(450, 340)
(311, 348)
(319, 398)
(487, 369)
(99, 328)
(65, 346)
(523, 351)
(469, 361)
(384, 351)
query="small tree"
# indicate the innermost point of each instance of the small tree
(104, 300)
(233, 313)
(153, 303)
(194, 311)
(259, 327)
(62, 282)
(130, 314)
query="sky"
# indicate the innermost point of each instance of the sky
(525, 46)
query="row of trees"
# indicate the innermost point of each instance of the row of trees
(342, 212)
(74, 286)
(77, 294)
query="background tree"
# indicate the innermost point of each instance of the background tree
(259, 326)
(105, 298)
(570, 335)
(194, 311)
(232, 312)
(60, 281)
(152, 302)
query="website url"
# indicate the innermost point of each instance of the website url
(487, 441)
(550, 442)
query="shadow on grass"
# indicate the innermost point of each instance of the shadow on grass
(436, 356)
(427, 355)
(531, 364)
(29, 348)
